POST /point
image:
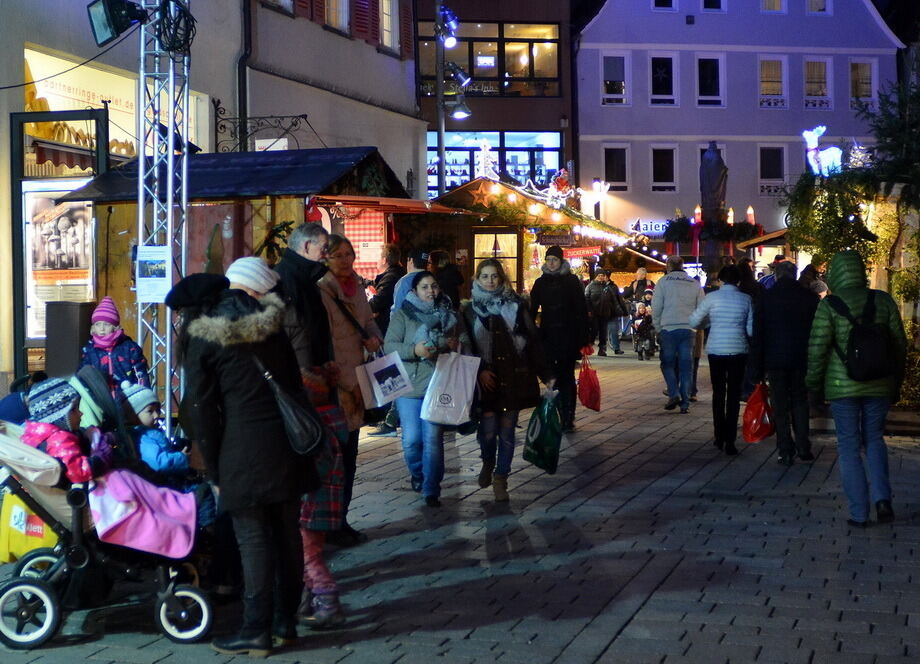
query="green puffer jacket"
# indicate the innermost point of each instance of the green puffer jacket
(826, 372)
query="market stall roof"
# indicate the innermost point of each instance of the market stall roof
(223, 175)
(772, 238)
(394, 205)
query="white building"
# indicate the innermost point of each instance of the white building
(659, 79)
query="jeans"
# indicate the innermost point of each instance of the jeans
(677, 363)
(272, 556)
(860, 424)
(727, 374)
(614, 330)
(600, 331)
(350, 465)
(790, 410)
(496, 436)
(696, 371)
(316, 575)
(423, 445)
(564, 371)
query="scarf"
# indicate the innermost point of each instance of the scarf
(502, 303)
(434, 318)
(564, 268)
(349, 285)
(108, 341)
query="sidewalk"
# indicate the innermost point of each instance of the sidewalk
(647, 545)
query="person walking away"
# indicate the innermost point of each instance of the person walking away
(422, 328)
(729, 315)
(811, 279)
(601, 305)
(779, 352)
(859, 407)
(498, 329)
(557, 295)
(354, 332)
(114, 353)
(385, 285)
(676, 297)
(448, 276)
(769, 281)
(232, 413)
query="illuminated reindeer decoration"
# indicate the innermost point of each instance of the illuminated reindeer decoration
(822, 162)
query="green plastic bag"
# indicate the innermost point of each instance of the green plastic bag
(544, 435)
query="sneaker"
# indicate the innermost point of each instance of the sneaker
(382, 430)
(327, 612)
(619, 352)
(672, 403)
(857, 524)
(416, 483)
(684, 410)
(785, 459)
(602, 353)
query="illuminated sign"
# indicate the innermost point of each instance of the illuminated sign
(649, 228)
(485, 61)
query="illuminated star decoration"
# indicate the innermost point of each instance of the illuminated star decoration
(480, 194)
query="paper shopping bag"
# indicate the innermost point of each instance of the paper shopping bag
(383, 380)
(450, 391)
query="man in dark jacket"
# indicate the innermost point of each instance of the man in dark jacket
(384, 284)
(558, 296)
(602, 307)
(782, 323)
(447, 275)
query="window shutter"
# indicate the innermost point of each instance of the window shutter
(360, 19)
(319, 11)
(406, 30)
(373, 10)
(303, 8)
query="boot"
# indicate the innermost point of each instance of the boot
(305, 609)
(254, 646)
(500, 488)
(485, 475)
(327, 612)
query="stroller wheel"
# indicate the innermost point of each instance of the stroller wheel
(36, 563)
(185, 615)
(30, 613)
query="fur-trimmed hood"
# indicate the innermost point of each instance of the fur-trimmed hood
(240, 319)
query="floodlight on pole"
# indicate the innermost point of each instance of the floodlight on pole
(110, 18)
(445, 36)
(458, 108)
(458, 74)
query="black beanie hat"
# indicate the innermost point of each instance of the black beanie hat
(556, 251)
(196, 290)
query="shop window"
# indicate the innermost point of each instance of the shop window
(616, 168)
(389, 24)
(501, 245)
(337, 14)
(616, 86)
(773, 6)
(663, 84)
(663, 169)
(817, 84)
(426, 58)
(772, 83)
(710, 81)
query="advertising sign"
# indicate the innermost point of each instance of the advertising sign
(650, 228)
(561, 239)
(580, 252)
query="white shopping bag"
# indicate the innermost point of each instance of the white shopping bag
(382, 380)
(450, 392)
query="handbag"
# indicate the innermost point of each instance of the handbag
(302, 424)
(757, 423)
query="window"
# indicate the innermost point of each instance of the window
(663, 170)
(714, 5)
(772, 170)
(504, 59)
(616, 83)
(616, 168)
(817, 84)
(664, 5)
(862, 80)
(524, 155)
(389, 24)
(663, 84)
(771, 6)
(709, 80)
(337, 14)
(772, 82)
(284, 5)
(822, 7)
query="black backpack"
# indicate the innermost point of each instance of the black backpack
(870, 349)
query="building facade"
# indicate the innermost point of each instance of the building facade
(659, 79)
(521, 90)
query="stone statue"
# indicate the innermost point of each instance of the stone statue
(713, 181)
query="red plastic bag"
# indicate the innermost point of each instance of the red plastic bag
(589, 388)
(758, 416)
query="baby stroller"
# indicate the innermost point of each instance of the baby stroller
(48, 584)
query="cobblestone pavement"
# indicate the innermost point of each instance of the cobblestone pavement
(646, 546)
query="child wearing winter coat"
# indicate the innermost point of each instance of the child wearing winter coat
(53, 427)
(114, 353)
(643, 332)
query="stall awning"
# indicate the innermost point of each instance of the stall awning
(69, 155)
(390, 205)
(773, 238)
(225, 175)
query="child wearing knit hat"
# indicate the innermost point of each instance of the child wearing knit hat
(114, 353)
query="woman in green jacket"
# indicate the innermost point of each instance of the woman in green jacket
(423, 327)
(859, 407)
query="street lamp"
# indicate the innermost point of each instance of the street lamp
(445, 28)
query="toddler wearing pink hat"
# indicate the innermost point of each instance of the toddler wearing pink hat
(114, 353)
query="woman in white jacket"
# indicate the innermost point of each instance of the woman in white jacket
(729, 315)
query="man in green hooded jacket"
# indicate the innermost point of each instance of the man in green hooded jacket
(859, 407)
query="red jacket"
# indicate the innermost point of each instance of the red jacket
(62, 445)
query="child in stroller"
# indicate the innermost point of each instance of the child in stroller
(49, 465)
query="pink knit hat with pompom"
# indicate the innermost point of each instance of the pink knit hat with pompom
(106, 312)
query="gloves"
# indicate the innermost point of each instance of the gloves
(102, 452)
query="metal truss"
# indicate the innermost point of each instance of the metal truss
(162, 195)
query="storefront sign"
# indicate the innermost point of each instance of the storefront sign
(561, 239)
(649, 228)
(580, 252)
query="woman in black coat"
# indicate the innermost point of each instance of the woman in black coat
(235, 419)
(559, 298)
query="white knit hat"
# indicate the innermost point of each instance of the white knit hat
(138, 396)
(252, 272)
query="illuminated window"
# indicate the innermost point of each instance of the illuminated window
(773, 82)
(817, 84)
(389, 24)
(773, 5)
(862, 84)
(337, 14)
(615, 83)
(822, 7)
(286, 5)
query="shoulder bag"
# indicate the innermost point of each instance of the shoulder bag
(302, 423)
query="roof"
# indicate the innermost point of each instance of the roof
(394, 205)
(223, 175)
(774, 237)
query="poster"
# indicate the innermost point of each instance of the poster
(59, 250)
(153, 275)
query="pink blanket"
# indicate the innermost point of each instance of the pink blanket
(130, 511)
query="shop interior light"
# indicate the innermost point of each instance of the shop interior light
(456, 72)
(110, 18)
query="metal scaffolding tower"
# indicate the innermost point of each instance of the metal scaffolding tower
(162, 195)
